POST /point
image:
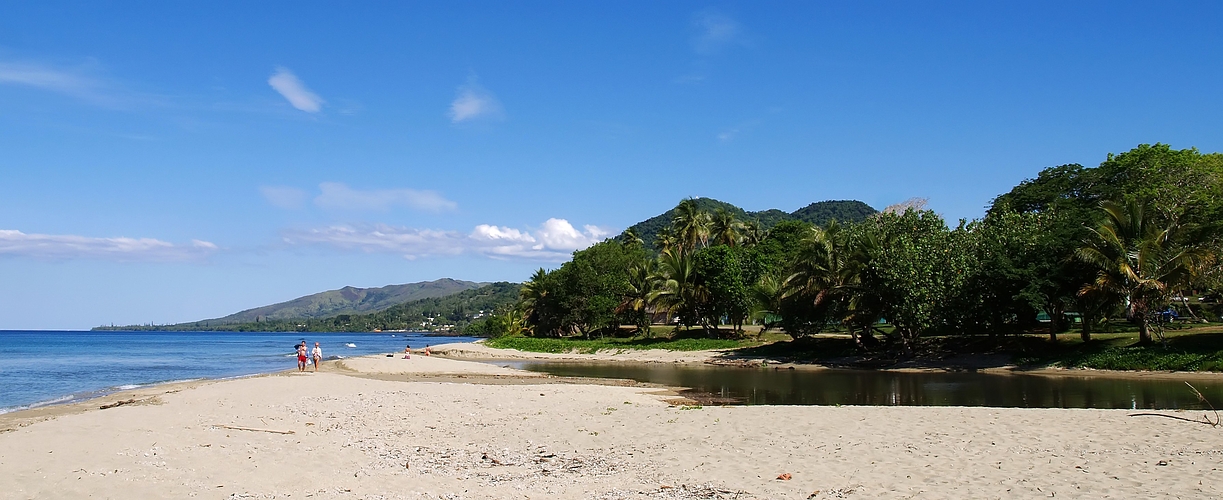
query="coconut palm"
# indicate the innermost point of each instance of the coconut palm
(766, 297)
(1137, 261)
(665, 239)
(630, 238)
(691, 225)
(724, 229)
(532, 294)
(677, 290)
(753, 233)
(828, 272)
(643, 283)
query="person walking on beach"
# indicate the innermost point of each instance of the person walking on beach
(427, 350)
(317, 354)
(301, 356)
(407, 352)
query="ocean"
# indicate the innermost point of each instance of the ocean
(39, 368)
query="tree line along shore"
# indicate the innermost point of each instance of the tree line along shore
(1125, 255)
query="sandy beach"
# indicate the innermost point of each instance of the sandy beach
(386, 428)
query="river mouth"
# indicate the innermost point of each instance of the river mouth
(772, 385)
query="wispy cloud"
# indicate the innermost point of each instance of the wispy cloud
(78, 82)
(474, 102)
(555, 240)
(336, 195)
(729, 134)
(67, 247)
(289, 86)
(714, 31)
(288, 198)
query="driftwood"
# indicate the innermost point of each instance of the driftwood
(119, 403)
(253, 429)
(1205, 418)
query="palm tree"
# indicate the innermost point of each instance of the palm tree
(828, 272)
(691, 225)
(753, 233)
(766, 297)
(631, 238)
(677, 291)
(665, 239)
(1137, 261)
(532, 294)
(643, 283)
(724, 228)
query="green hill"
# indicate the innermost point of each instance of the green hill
(347, 300)
(818, 213)
(451, 313)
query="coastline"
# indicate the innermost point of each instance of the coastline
(446, 428)
(477, 351)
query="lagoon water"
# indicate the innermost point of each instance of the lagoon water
(772, 386)
(46, 367)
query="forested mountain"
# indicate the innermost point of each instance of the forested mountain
(450, 313)
(818, 213)
(347, 300)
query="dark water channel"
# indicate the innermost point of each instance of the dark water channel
(770, 386)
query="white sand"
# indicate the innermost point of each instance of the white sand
(353, 437)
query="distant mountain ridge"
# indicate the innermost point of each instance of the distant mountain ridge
(347, 300)
(818, 213)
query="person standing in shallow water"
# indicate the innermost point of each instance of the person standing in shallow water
(317, 354)
(301, 356)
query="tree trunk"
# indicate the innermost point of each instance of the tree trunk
(1144, 331)
(1185, 301)
(1085, 334)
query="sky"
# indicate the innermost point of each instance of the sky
(164, 162)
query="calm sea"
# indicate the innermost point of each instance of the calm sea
(41, 367)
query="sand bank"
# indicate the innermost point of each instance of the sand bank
(333, 435)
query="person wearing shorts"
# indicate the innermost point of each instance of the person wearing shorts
(301, 357)
(317, 354)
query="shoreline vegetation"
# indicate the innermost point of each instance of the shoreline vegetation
(1199, 349)
(1110, 267)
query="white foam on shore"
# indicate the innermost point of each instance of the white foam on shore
(49, 402)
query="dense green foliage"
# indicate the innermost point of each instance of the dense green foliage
(453, 313)
(1115, 242)
(818, 213)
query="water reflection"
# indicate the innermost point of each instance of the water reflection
(769, 386)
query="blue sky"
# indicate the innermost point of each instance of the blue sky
(166, 161)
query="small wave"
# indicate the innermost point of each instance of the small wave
(49, 402)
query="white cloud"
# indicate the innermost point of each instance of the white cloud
(559, 234)
(289, 86)
(474, 102)
(714, 31)
(75, 82)
(554, 241)
(336, 195)
(409, 242)
(66, 246)
(288, 198)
